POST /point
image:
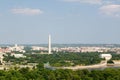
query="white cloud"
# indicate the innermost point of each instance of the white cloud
(100, 2)
(26, 11)
(111, 10)
(85, 1)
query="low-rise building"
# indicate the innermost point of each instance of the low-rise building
(18, 55)
(1, 57)
(106, 56)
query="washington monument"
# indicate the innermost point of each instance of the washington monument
(49, 44)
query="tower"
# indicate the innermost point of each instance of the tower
(16, 45)
(49, 44)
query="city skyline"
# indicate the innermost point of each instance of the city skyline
(68, 21)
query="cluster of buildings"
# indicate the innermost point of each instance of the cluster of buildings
(37, 48)
(11, 50)
(20, 50)
(78, 49)
(48, 50)
(89, 49)
(17, 48)
(75, 49)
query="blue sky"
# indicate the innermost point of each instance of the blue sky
(68, 21)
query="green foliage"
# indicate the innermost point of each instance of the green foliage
(58, 59)
(40, 66)
(115, 56)
(110, 62)
(60, 74)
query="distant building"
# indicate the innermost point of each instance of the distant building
(5, 50)
(17, 48)
(39, 48)
(18, 55)
(106, 56)
(1, 57)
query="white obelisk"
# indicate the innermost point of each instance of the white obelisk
(49, 44)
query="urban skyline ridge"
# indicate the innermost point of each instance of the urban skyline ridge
(66, 45)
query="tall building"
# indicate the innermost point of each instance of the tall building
(16, 45)
(1, 58)
(49, 44)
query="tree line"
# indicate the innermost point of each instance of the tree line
(40, 73)
(58, 59)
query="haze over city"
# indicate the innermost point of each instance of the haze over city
(68, 21)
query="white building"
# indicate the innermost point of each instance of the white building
(17, 48)
(39, 48)
(18, 55)
(106, 56)
(1, 57)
